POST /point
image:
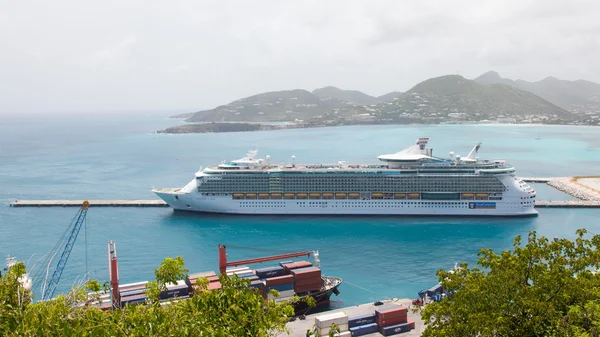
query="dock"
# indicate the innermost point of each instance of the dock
(160, 203)
(93, 203)
(298, 327)
(537, 179)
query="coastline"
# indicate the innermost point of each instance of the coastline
(219, 127)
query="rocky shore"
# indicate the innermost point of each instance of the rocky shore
(573, 187)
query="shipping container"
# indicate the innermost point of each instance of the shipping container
(390, 311)
(365, 329)
(135, 299)
(394, 329)
(214, 285)
(202, 274)
(281, 287)
(361, 320)
(391, 321)
(236, 269)
(269, 272)
(326, 320)
(411, 323)
(274, 281)
(312, 280)
(257, 284)
(133, 286)
(175, 291)
(325, 331)
(307, 288)
(295, 265)
(132, 292)
(282, 294)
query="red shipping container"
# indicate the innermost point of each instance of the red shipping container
(314, 280)
(390, 321)
(295, 265)
(392, 313)
(279, 280)
(214, 285)
(411, 323)
(203, 274)
(307, 287)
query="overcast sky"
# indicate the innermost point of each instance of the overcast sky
(87, 56)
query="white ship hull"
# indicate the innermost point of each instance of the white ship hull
(225, 204)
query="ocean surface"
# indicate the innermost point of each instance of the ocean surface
(120, 157)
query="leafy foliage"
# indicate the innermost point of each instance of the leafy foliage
(235, 310)
(542, 288)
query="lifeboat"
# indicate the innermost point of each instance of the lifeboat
(376, 195)
(340, 195)
(481, 196)
(315, 195)
(301, 195)
(327, 195)
(276, 195)
(289, 195)
(250, 195)
(467, 196)
(263, 195)
(238, 195)
(353, 195)
(388, 195)
(413, 195)
(399, 195)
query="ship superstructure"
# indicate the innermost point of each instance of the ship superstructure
(410, 182)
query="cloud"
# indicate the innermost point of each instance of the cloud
(133, 54)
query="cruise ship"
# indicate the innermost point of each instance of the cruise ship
(409, 182)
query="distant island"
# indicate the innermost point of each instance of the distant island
(447, 99)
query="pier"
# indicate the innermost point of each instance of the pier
(93, 203)
(536, 179)
(298, 327)
(160, 203)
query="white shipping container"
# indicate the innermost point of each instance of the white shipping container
(325, 321)
(325, 331)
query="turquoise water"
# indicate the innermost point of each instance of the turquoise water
(114, 157)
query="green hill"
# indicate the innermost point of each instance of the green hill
(286, 105)
(389, 96)
(456, 94)
(576, 96)
(350, 97)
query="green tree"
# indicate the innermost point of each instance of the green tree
(234, 310)
(541, 288)
(169, 271)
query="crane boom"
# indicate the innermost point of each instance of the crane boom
(64, 257)
(223, 264)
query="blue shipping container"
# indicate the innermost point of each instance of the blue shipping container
(132, 292)
(394, 329)
(282, 287)
(362, 330)
(136, 299)
(175, 291)
(269, 272)
(361, 320)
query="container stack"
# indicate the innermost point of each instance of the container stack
(362, 325)
(181, 289)
(213, 280)
(306, 279)
(283, 284)
(324, 323)
(268, 272)
(393, 320)
(132, 293)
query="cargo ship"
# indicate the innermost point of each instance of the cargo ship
(409, 182)
(290, 278)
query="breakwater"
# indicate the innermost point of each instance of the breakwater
(577, 187)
